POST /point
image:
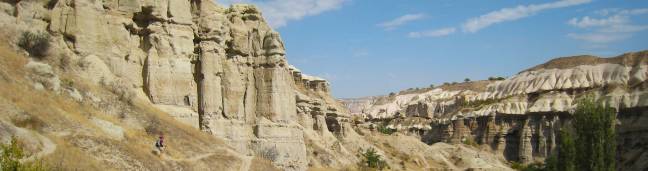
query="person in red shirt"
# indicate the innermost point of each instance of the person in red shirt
(159, 144)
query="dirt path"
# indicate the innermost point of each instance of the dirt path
(192, 159)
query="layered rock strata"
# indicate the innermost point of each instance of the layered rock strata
(519, 117)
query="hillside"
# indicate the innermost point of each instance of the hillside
(98, 131)
(519, 117)
(90, 85)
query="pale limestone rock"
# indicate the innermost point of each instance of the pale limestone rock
(75, 94)
(183, 114)
(43, 75)
(95, 70)
(512, 96)
(286, 139)
(114, 131)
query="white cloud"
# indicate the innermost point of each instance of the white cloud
(279, 12)
(587, 22)
(614, 26)
(597, 37)
(433, 33)
(394, 23)
(638, 11)
(511, 14)
(608, 11)
(624, 29)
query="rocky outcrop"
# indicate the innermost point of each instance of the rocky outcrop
(519, 117)
(222, 70)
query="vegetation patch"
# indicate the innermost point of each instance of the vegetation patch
(11, 155)
(383, 129)
(593, 144)
(37, 44)
(373, 160)
(470, 142)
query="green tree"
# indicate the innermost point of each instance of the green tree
(373, 159)
(551, 163)
(467, 80)
(566, 153)
(595, 136)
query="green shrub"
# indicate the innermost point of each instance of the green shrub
(383, 129)
(516, 165)
(470, 142)
(11, 154)
(529, 167)
(496, 78)
(37, 44)
(373, 159)
(10, 158)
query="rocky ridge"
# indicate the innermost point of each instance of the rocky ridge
(519, 117)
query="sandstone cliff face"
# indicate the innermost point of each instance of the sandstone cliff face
(222, 70)
(519, 117)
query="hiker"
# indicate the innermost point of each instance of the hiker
(159, 144)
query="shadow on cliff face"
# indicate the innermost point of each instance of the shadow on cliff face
(333, 124)
(512, 143)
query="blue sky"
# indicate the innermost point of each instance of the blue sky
(373, 47)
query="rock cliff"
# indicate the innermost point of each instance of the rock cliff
(519, 117)
(214, 80)
(221, 70)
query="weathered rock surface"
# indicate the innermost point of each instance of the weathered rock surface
(519, 117)
(222, 70)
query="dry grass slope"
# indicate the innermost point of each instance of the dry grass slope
(83, 145)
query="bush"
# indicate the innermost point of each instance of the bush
(11, 155)
(383, 129)
(373, 159)
(496, 78)
(467, 80)
(530, 167)
(37, 44)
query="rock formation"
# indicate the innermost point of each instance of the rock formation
(222, 70)
(519, 117)
(116, 70)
